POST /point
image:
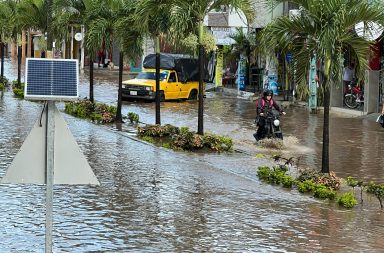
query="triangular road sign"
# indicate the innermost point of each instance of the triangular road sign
(70, 165)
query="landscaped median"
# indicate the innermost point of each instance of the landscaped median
(176, 138)
(167, 136)
(320, 185)
(97, 112)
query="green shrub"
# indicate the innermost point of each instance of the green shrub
(287, 181)
(148, 139)
(217, 143)
(133, 117)
(347, 200)
(18, 90)
(183, 139)
(306, 186)
(99, 113)
(352, 182)
(377, 190)
(2, 87)
(275, 176)
(167, 145)
(260, 155)
(96, 117)
(4, 81)
(171, 130)
(263, 172)
(323, 192)
(317, 177)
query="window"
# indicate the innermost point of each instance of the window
(172, 77)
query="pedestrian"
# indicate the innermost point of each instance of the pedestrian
(100, 56)
(348, 75)
(382, 110)
(380, 119)
(263, 105)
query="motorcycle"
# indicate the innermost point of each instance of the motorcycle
(354, 97)
(272, 127)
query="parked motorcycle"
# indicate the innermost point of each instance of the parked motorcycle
(272, 127)
(354, 97)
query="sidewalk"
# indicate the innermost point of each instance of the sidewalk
(340, 111)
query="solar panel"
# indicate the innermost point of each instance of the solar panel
(51, 79)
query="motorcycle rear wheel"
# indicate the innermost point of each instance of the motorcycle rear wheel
(350, 101)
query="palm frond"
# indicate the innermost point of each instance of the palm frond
(324, 29)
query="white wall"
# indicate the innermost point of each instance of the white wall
(263, 14)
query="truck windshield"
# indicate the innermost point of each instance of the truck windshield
(152, 75)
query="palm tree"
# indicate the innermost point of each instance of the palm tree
(325, 28)
(33, 14)
(188, 16)
(7, 14)
(245, 44)
(152, 17)
(15, 29)
(110, 21)
(129, 39)
(69, 14)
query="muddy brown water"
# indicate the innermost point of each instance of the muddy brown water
(156, 200)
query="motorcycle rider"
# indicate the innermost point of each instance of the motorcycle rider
(263, 105)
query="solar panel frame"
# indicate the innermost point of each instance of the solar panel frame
(51, 79)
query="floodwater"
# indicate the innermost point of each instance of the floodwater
(156, 200)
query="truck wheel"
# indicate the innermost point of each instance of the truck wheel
(192, 95)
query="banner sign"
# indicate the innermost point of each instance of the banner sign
(219, 67)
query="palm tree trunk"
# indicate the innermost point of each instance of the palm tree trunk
(2, 59)
(325, 153)
(119, 118)
(249, 76)
(200, 116)
(49, 26)
(158, 122)
(19, 66)
(91, 81)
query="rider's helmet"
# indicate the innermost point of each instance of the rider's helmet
(267, 92)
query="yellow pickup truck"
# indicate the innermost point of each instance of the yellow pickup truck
(143, 86)
(179, 79)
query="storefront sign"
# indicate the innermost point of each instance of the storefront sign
(219, 67)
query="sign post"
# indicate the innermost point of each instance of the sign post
(50, 151)
(312, 86)
(48, 156)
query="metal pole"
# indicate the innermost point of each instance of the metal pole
(119, 117)
(200, 115)
(2, 59)
(19, 66)
(82, 47)
(72, 36)
(91, 97)
(158, 121)
(50, 143)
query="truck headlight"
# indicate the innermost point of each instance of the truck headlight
(148, 88)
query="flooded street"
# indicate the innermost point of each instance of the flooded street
(155, 200)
